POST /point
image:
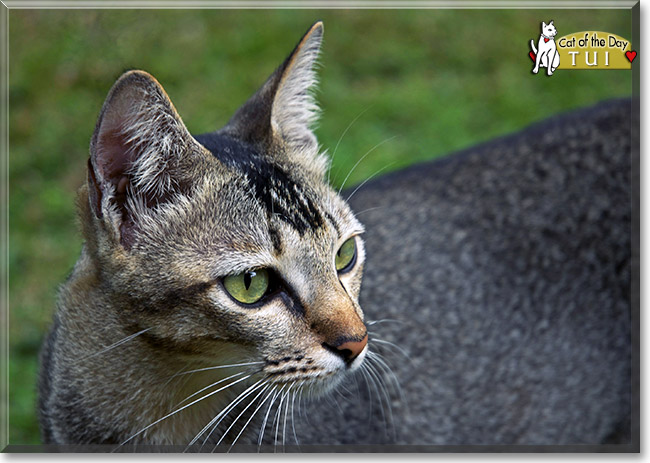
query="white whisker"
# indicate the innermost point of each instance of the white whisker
(116, 344)
(209, 386)
(183, 408)
(344, 388)
(383, 320)
(375, 357)
(171, 378)
(382, 389)
(217, 367)
(373, 382)
(284, 428)
(362, 158)
(368, 210)
(276, 420)
(225, 411)
(264, 387)
(364, 372)
(356, 384)
(300, 415)
(341, 138)
(254, 413)
(293, 423)
(266, 417)
(368, 179)
(395, 346)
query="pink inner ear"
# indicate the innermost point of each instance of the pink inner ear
(113, 156)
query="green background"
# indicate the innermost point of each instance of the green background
(418, 83)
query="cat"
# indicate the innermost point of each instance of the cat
(546, 55)
(227, 248)
(219, 286)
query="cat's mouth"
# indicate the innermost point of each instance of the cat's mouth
(309, 370)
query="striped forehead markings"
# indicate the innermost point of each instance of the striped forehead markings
(272, 186)
(333, 221)
(276, 240)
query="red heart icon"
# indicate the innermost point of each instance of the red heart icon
(630, 55)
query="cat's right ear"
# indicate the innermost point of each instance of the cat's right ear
(283, 110)
(138, 153)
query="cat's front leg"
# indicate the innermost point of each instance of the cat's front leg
(556, 60)
(551, 60)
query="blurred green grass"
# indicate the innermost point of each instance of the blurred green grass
(418, 83)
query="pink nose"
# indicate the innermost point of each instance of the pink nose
(351, 349)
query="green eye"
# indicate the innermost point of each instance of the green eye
(346, 255)
(247, 287)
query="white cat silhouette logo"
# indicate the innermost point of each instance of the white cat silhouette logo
(546, 54)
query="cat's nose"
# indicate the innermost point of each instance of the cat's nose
(351, 349)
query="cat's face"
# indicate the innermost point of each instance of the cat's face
(549, 29)
(229, 247)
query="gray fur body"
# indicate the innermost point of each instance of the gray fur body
(508, 265)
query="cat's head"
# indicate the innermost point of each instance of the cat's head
(549, 29)
(229, 245)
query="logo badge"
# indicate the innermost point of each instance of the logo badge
(545, 54)
(579, 50)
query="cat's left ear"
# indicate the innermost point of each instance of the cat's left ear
(281, 113)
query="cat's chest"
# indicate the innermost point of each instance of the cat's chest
(546, 44)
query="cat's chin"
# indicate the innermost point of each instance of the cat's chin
(314, 386)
